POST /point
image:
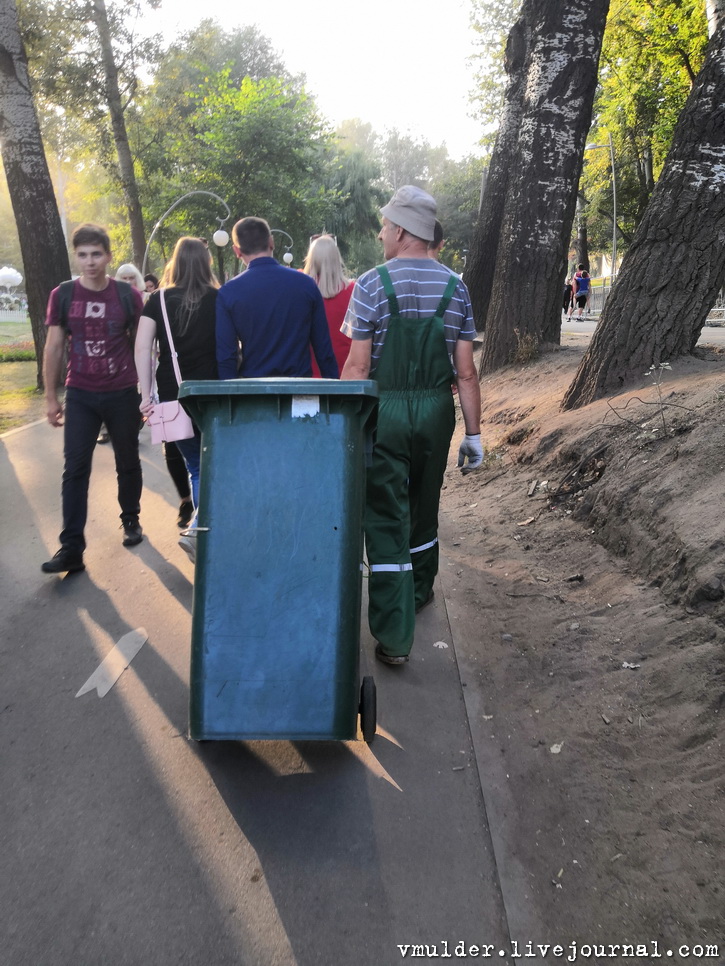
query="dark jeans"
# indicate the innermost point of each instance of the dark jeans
(84, 413)
(178, 472)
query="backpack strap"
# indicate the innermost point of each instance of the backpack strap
(65, 296)
(126, 297)
(388, 289)
(447, 296)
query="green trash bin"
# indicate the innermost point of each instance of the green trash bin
(277, 592)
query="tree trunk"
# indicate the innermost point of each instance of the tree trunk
(715, 10)
(120, 137)
(581, 243)
(531, 257)
(43, 247)
(675, 266)
(478, 274)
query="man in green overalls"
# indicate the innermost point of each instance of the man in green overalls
(412, 329)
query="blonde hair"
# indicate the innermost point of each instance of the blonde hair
(129, 269)
(189, 269)
(324, 264)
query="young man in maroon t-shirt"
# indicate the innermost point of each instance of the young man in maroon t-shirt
(100, 388)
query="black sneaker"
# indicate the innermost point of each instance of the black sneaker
(64, 561)
(186, 512)
(132, 533)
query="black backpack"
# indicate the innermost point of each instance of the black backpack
(65, 296)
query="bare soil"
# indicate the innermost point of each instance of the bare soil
(591, 548)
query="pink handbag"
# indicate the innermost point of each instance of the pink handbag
(169, 421)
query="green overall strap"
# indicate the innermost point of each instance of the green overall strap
(388, 289)
(447, 296)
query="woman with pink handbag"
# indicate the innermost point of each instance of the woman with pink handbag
(181, 318)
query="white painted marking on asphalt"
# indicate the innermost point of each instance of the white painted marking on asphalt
(115, 663)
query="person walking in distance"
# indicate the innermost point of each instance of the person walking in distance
(412, 331)
(581, 290)
(96, 316)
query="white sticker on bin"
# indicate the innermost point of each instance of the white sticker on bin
(305, 406)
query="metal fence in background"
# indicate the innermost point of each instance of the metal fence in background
(600, 294)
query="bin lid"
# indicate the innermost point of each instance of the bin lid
(278, 386)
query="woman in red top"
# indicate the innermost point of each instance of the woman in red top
(324, 264)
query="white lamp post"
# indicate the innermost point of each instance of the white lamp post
(288, 256)
(589, 147)
(220, 236)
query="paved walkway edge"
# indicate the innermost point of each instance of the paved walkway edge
(523, 923)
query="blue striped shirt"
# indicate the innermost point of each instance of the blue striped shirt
(419, 284)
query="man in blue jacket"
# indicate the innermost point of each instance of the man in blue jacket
(276, 314)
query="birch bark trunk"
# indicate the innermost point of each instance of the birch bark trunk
(531, 258)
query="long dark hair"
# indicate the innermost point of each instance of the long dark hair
(189, 269)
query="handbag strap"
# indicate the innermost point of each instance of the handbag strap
(172, 347)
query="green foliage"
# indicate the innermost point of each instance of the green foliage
(404, 160)
(352, 177)
(259, 144)
(491, 20)
(652, 51)
(457, 189)
(64, 58)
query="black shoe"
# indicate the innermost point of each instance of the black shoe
(186, 512)
(132, 533)
(103, 437)
(64, 561)
(389, 658)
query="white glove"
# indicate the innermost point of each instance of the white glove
(471, 448)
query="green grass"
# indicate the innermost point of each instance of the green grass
(15, 332)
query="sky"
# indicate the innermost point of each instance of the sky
(392, 63)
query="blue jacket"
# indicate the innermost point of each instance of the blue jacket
(277, 314)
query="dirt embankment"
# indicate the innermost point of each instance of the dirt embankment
(592, 547)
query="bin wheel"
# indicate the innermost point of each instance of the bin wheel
(368, 709)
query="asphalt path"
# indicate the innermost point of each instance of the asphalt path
(710, 335)
(124, 842)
